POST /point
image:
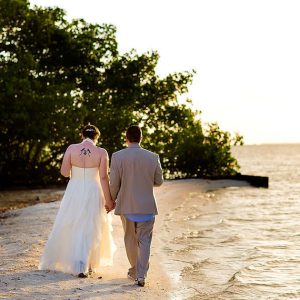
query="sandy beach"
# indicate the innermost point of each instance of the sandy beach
(23, 233)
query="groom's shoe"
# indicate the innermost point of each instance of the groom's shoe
(141, 282)
(82, 275)
(131, 277)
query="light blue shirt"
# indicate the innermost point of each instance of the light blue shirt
(140, 217)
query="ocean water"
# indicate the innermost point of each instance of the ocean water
(243, 242)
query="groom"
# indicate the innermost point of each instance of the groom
(133, 173)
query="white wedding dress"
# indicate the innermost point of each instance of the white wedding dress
(81, 238)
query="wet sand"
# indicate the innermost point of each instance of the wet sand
(23, 233)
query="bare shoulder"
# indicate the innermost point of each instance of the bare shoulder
(74, 147)
(102, 152)
(71, 147)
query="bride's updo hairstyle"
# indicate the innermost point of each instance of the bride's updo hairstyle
(90, 131)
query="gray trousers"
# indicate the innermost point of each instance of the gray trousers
(137, 239)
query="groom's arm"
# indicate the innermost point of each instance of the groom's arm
(115, 178)
(158, 177)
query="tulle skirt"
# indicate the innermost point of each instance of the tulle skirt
(81, 238)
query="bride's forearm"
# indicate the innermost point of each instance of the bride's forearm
(105, 189)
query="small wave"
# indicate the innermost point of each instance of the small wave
(195, 234)
(295, 234)
(241, 220)
(231, 239)
(272, 247)
(234, 277)
(193, 217)
(289, 295)
(196, 267)
(286, 262)
(186, 249)
(244, 272)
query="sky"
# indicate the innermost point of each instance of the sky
(246, 54)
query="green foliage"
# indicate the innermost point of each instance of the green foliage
(56, 76)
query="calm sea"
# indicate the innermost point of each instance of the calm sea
(244, 242)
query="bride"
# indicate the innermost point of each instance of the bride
(81, 241)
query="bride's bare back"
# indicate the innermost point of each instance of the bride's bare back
(84, 155)
(87, 155)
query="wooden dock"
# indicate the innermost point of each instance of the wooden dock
(257, 181)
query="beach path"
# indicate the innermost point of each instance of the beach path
(23, 234)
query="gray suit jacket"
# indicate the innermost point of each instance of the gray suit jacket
(133, 173)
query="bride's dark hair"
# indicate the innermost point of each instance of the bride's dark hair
(90, 131)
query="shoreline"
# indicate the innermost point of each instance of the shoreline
(28, 197)
(24, 233)
(12, 199)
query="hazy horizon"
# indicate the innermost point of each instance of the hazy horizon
(245, 53)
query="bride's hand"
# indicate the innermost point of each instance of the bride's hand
(109, 206)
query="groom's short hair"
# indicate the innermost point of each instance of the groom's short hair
(134, 134)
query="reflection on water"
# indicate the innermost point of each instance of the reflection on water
(243, 243)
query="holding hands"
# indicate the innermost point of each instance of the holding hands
(110, 205)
